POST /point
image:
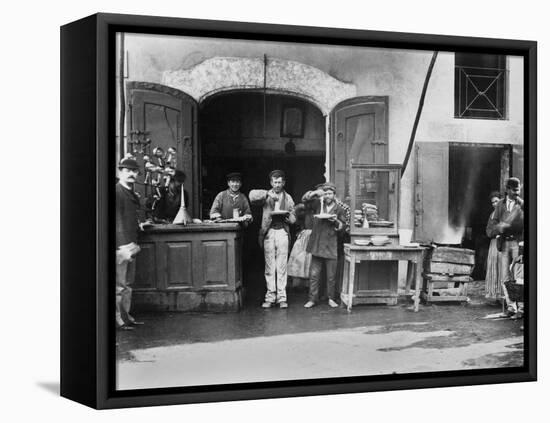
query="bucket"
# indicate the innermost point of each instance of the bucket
(405, 236)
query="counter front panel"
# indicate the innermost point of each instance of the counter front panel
(189, 268)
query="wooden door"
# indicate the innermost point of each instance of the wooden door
(359, 133)
(431, 191)
(517, 163)
(169, 118)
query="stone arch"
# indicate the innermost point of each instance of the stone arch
(220, 74)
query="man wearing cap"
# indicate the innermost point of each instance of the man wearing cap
(274, 236)
(169, 204)
(323, 242)
(128, 213)
(507, 226)
(231, 203)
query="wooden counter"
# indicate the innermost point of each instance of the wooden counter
(189, 268)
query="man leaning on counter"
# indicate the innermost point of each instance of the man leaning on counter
(231, 203)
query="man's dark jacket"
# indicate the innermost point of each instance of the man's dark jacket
(502, 215)
(127, 215)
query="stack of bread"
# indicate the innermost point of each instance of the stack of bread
(368, 211)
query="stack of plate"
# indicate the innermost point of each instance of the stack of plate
(362, 242)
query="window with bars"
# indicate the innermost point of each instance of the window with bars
(480, 86)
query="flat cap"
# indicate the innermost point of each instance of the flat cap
(234, 175)
(329, 186)
(512, 183)
(179, 176)
(276, 174)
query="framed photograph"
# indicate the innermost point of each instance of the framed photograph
(292, 122)
(265, 211)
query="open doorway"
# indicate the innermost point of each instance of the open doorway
(474, 172)
(254, 133)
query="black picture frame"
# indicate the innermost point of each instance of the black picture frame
(87, 128)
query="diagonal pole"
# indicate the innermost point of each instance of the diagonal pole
(419, 111)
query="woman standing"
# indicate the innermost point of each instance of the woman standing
(493, 288)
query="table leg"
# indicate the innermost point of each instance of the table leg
(351, 281)
(417, 284)
(345, 282)
(410, 276)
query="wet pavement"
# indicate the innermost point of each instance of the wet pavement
(319, 342)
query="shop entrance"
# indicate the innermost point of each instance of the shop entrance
(474, 172)
(254, 133)
(453, 184)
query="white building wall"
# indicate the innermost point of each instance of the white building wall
(398, 74)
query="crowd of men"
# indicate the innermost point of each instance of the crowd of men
(318, 250)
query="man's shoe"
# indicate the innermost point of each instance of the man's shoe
(309, 304)
(267, 304)
(124, 327)
(131, 321)
(332, 303)
(283, 304)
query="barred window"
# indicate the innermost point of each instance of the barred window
(480, 86)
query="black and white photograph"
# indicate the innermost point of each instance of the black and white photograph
(297, 211)
(397, 153)
(246, 211)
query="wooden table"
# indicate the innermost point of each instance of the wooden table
(355, 254)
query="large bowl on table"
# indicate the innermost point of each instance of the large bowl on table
(379, 240)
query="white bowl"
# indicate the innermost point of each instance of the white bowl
(379, 240)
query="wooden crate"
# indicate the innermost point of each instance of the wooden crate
(438, 288)
(450, 261)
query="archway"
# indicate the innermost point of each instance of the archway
(253, 133)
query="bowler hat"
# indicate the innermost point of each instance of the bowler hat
(128, 164)
(234, 175)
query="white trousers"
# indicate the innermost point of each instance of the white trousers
(276, 256)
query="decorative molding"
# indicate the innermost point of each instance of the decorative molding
(151, 86)
(220, 74)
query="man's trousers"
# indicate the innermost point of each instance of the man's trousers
(276, 257)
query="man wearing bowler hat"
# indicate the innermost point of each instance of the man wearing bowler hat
(128, 212)
(274, 236)
(231, 203)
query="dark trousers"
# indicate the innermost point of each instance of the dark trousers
(315, 272)
(125, 275)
